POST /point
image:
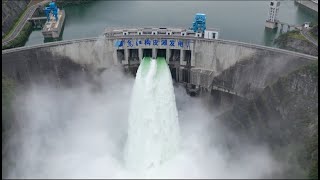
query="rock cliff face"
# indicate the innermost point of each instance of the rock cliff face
(11, 11)
(284, 116)
(294, 41)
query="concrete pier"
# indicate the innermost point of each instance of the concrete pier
(52, 29)
(271, 25)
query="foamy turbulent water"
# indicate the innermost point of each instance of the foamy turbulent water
(153, 134)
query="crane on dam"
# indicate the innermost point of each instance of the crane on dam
(199, 27)
(199, 24)
(55, 21)
(52, 8)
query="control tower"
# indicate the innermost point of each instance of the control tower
(272, 21)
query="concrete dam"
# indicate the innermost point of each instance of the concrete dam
(201, 64)
(149, 127)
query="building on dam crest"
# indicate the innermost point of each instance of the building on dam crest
(174, 44)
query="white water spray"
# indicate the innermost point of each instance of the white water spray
(153, 134)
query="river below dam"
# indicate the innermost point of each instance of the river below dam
(236, 20)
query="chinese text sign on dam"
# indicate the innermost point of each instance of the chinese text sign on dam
(154, 42)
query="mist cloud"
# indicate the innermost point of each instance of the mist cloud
(80, 132)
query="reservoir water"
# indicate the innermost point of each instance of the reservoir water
(237, 20)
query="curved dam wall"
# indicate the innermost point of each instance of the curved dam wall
(233, 67)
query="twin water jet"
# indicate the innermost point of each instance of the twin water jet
(153, 131)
